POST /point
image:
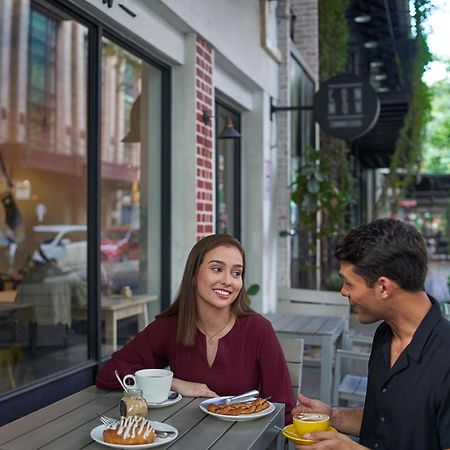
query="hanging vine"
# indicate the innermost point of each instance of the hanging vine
(407, 157)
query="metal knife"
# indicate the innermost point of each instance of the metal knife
(250, 395)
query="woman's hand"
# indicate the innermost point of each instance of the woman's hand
(309, 405)
(191, 389)
(330, 440)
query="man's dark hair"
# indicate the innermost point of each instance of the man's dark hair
(386, 247)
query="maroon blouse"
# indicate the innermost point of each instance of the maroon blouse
(248, 357)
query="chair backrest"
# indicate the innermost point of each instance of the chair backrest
(347, 385)
(446, 310)
(312, 302)
(51, 301)
(293, 353)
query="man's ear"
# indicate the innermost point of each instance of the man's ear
(385, 287)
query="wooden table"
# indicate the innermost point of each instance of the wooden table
(115, 307)
(66, 425)
(8, 296)
(323, 331)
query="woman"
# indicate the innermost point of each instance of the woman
(214, 343)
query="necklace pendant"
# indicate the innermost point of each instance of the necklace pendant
(210, 341)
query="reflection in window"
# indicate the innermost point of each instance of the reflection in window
(41, 81)
(43, 237)
(130, 141)
(302, 136)
(227, 175)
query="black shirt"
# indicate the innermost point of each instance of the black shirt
(408, 406)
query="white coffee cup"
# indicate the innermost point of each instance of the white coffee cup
(155, 383)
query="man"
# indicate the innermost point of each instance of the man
(383, 266)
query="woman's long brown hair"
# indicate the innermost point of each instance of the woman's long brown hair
(185, 304)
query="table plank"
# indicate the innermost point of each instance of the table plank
(243, 436)
(59, 419)
(66, 425)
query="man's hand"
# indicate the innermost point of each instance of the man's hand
(190, 389)
(345, 420)
(309, 405)
(330, 440)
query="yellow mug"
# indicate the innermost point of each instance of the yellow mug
(310, 422)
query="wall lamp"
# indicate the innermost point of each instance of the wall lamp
(274, 109)
(228, 132)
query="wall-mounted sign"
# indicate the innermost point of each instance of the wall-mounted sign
(346, 106)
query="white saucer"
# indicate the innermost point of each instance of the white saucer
(166, 403)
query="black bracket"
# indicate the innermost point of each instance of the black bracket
(274, 109)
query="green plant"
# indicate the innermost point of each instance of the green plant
(252, 289)
(333, 282)
(315, 191)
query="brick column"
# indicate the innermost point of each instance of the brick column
(306, 32)
(283, 120)
(204, 138)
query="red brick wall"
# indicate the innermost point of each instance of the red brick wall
(204, 139)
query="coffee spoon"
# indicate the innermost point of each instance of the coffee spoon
(120, 381)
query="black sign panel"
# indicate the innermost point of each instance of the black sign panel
(346, 106)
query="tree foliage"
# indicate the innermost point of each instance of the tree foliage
(407, 158)
(437, 138)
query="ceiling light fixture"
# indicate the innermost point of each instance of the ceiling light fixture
(375, 64)
(370, 44)
(363, 18)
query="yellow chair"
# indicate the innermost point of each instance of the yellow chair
(10, 356)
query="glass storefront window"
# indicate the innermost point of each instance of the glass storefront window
(43, 233)
(302, 136)
(49, 136)
(130, 159)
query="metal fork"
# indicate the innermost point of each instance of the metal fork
(159, 433)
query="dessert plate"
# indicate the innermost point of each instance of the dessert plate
(289, 432)
(240, 418)
(97, 435)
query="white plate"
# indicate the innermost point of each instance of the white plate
(240, 418)
(97, 435)
(166, 403)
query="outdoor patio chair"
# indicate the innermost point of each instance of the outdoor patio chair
(293, 353)
(446, 310)
(312, 302)
(350, 375)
